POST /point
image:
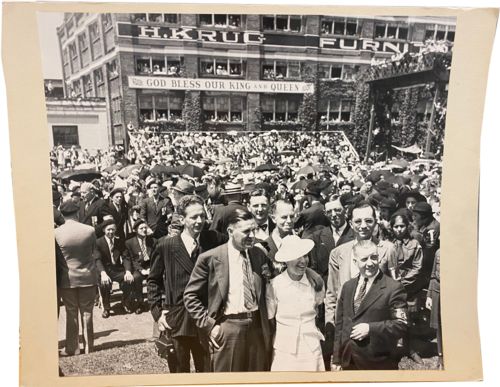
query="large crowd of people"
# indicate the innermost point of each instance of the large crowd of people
(259, 250)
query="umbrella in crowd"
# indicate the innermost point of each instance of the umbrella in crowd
(191, 170)
(301, 184)
(159, 169)
(111, 168)
(79, 175)
(307, 170)
(266, 167)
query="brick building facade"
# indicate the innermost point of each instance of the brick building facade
(230, 71)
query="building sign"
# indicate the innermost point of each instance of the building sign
(165, 83)
(169, 34)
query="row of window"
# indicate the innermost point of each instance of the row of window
(216, 108)
(227, 67)
(96, 83)
(294, 23)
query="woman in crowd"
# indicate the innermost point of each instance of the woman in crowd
(293, 301)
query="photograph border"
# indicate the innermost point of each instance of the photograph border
(467, 89)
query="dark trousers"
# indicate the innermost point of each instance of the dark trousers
(241, 348)
(131, 291)
(184, 347)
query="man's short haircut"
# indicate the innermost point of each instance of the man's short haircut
(259, 192)
(275, 204)
(361, 204)
(363, 246)
(188, 200)
(238, 215)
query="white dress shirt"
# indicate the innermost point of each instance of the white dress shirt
(189, 242)
(235, 299)
(338, 234)
(260, 234)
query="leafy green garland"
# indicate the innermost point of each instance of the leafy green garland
(191, 112)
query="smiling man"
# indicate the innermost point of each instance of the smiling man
(371, 316)
(233, 317)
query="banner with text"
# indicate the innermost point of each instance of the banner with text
(164, 83)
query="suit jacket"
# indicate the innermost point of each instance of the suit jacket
(206, 293)
(339, 271)
(133, 252)
(119, 216)
(103, 256)
(323, 246)
(154, 214)
(170, 272)
(384, 309)
(94, 210)
(312, 217)
(75, 264)
(221, 213)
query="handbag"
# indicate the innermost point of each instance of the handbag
(166, 350)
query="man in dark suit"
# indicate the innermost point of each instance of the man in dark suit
(156, 210)
(116, 208)
(325, 240)
(259, 207)
(76, 277)
(311, 218)
(226, 298)
(174, 261)
(91, 206)
(139, 251)
(114, 266)
(371, 316)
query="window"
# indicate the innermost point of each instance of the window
(116, 110)
(390, 31)
(94, 32)
(88, 86)
(65, 56)
(344, 26)
(220, 20)
(221, 67)
(440, 32)
(99, 81)
(72, 50)
(171, 18)
(222, 108)
(161, 107)
(159, 65)
(113, 69)
(82, 41)
(334, 111)
(76, 89)
(280, 70)
(289, 23)
(65, 135)
(107, 22)
(280, 109)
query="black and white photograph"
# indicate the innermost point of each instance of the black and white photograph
(246, 192)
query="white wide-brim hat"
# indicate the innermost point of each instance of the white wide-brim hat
(292, 248)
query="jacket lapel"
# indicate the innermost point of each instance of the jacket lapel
(221, 268)
(373, 294)
(181, 255)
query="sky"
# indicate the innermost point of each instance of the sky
(51, 59)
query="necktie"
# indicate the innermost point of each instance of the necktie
(361, 295)
(263, 227)
(111, 245)
(248, 291)
(145, 256)
(196, 251)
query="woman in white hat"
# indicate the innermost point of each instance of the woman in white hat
(292, 300)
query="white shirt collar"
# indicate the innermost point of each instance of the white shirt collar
(188, 241)
(232, 253)
(341, 229)
(303, 280)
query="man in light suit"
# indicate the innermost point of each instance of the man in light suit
(225, 297)
(371, 316)
(173, 263)
(341, 265)
(76, 276)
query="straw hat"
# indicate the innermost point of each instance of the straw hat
(292, 247)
